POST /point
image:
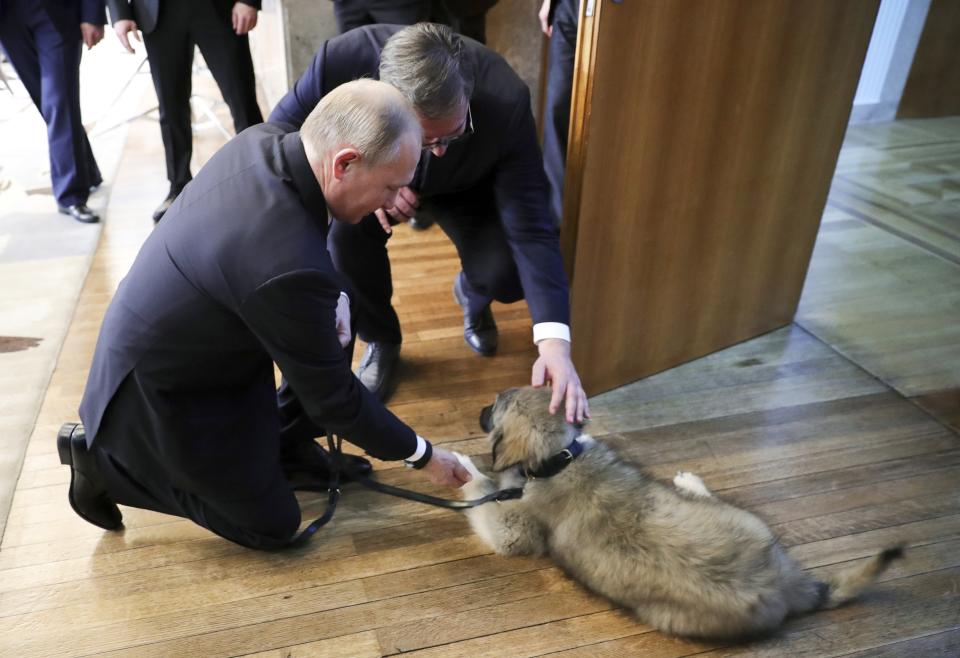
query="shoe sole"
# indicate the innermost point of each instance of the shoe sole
(65, 449)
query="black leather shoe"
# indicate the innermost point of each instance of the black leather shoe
(81, 213)
(307, 465)
(87, 495)
(164, 207)
(420, 223)
(378, 368)
(479, 328)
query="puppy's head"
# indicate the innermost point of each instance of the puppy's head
(521, 429)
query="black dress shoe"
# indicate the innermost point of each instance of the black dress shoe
(378, 368)
(420, 223)
(164, 207)
(479, 328)
(81, 213)
(87, 495)
(307, 465)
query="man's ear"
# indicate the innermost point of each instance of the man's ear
(343, 161)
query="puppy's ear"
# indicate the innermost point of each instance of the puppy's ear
(496, 441)
(511, 442)
(506, 450)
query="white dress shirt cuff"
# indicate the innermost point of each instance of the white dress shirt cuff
(543, 330)
(345, 296)
(421, 449)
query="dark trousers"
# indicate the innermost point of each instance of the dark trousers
(48, 63)
(265, 518)
(356, 13)
(556, 111)
(471, 221)
(263, 515)
(180, 26)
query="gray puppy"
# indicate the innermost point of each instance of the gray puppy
(679, 558)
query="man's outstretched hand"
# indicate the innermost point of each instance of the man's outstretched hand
(444, 468)
(556, 368)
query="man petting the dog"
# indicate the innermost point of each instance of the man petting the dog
(480, 178)
(181, 414)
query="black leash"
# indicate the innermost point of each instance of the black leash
(333, 487)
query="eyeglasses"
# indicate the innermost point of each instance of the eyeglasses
(447, 141)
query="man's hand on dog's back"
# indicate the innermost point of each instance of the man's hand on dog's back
(444, 468)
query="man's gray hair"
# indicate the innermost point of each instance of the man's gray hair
(367, 115)
(427, 62)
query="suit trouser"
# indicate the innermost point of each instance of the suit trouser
(556, 110)
(264, 518)
(49, 67)
(356, 13)
(182, 24)
(471, 221)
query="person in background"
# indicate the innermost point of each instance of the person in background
(356, 13)
(559, 20)
(466, 17)
(171, 29)
(43, 40)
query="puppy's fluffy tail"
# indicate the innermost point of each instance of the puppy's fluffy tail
(847, 585)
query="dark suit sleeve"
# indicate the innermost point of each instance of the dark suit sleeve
(92, 11)
(306, 93)
(119, 10)
(520, 188)
(294, 317)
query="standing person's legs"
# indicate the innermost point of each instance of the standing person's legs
(556, 112)
(403, 12)
(351, 14)
(228, 56)
(72, 166)
(170, 51)
(49, 68)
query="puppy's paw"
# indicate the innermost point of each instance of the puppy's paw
(469, 465)
(479, 485)
(691, 483)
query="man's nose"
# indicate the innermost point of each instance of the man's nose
(438, 150)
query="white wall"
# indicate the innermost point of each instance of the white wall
(894, 41)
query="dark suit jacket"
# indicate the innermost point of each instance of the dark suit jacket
(236, 277)
(145, 12)
(503, 153)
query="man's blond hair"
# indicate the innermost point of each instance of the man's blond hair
(367, 115)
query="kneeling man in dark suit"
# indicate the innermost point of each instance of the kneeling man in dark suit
(180, 413)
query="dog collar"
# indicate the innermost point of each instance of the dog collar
(556, 463)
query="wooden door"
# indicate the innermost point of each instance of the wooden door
(703, 140)
(933, 86)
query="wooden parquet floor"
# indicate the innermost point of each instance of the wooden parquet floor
(794, 425)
